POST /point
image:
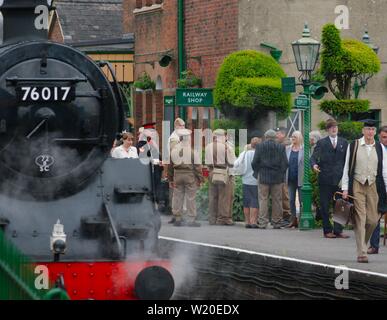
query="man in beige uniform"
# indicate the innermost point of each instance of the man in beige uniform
(185, 176)
(219, 155)
(173, 140)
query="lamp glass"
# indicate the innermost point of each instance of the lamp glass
(306, 54)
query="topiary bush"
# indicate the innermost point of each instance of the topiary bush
(265, 92)
(247, 84)
(350, 130)
(340, 107)
(344, 60)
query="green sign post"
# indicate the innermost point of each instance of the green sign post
(288, 84)
(194, 97)
(169, 101)
(302, 102)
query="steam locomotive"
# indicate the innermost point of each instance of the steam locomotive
(88, 218)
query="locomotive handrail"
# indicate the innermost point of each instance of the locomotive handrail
(15, 80)
(115, 232)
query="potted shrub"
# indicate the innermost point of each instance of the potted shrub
(144, 82)
(188, 80)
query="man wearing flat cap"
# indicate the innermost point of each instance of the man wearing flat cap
(185, 175)
(220, 157)
(328, 161)
(269, 164)
(365, 178)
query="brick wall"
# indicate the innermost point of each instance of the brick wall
(127, 17)
(154, 24)
(211, 33)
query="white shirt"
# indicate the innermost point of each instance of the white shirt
(244, 164)
(333, 140)
(345, 178)
(121, 153)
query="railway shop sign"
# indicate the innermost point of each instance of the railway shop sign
(194, 97)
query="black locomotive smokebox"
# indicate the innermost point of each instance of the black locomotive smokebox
(154, 283)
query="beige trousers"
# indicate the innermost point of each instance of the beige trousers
(264, 192)
(366, 214)
(219, 210)
(185, 187)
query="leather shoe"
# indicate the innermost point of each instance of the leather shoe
(372, 250)
(229, 223)
(342, 236)
(330, 235)
(362, 259)
(193, 224)
(172, 220)
(293, 224)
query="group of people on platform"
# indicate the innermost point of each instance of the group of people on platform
(272, 168)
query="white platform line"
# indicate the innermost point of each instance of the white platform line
(277, 257)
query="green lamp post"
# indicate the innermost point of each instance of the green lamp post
(306, 52)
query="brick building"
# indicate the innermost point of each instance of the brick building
(213, 29)
(210, 33)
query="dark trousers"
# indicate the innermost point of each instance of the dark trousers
(326, 196)
(374, 241)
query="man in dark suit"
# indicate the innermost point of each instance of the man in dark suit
(328, 161)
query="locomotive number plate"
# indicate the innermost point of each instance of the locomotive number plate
(45, 93)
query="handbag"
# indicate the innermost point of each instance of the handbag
(219, 176)
(343, 211)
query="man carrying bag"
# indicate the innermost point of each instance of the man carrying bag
(365, 181)
(220, 157)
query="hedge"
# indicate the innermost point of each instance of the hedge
(340, 107)
(350, 130)
(346, 56)
(239, 78)
(267, 92)
(226, 124)
(343, 60)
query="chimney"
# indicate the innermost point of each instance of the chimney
(25, 20)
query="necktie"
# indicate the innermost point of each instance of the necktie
(334, 144)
